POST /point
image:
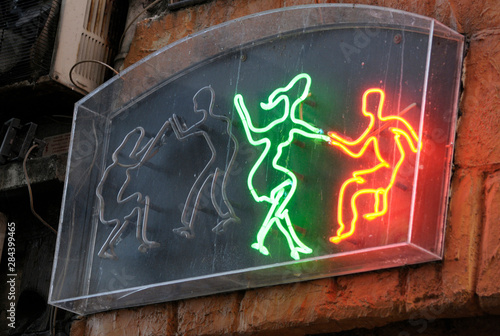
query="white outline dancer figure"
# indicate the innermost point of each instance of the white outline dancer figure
(191, 206)
(140, 212)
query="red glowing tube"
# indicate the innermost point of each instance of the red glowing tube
(360, 177)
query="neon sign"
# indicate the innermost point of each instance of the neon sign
(140, 204)
(264, 157)
(279, 196)
(286, 107)
(359, 177)
(136, 206)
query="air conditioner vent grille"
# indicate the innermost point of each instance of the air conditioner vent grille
(98, 17)
(101, 30)
(92, 48)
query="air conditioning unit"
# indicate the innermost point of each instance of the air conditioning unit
(47, 38)
(88, 31)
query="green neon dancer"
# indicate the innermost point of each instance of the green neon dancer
(280, 196)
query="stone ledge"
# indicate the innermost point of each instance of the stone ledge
(39, 170)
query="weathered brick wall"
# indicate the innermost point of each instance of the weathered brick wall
(466, 283)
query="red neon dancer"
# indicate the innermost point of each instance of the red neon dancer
(368, 141)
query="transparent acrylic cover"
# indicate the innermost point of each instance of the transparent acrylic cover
(289, 145)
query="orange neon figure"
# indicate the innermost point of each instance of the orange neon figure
(369, 140)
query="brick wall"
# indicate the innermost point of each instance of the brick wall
(464, 284)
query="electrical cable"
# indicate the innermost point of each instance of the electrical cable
(133, 21)
(88, 61)
(51, 321)
(54, 322)
(62, 116)
(31, 193)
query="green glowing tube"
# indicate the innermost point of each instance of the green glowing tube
(280, 196)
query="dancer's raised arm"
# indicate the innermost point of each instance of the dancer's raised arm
(246, 119)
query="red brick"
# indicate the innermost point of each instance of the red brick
(158, 320)
(286, 307)
(364, 300)
(78, 328)
(447, 288)
(152, 320)
(488, 286)
(479, 127)
(473, 16)
(368, 300)
(102, 323)
(153, 34)
(437, 9)
(211, 315)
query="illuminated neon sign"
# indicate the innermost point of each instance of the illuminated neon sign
(367, 141)
(284, 106)
(280, 195)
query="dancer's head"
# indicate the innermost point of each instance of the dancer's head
(291, 95)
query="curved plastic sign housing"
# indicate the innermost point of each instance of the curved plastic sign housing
(289, 145)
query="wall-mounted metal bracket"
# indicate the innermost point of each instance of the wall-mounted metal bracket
(16, 140)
